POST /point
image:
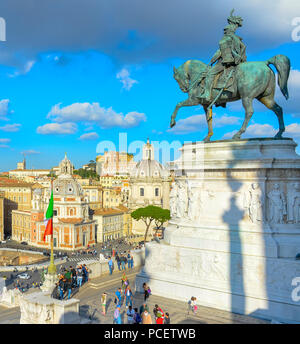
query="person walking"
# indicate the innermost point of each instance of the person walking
(85, 273)
(193, 304)
(131, 261)
(61, 287)
(79, 276)
(117, 315)
(117, 258)
(147, 291)
(110, 265)
(123, 262)
(137, 317)
(142, 308)
(118, 295)
(124, 281)
(128, 296)
(146, 317)
(167, 319)
(74, 277)
(103, 303)
(159, 315)
(69, 287)
(130, 315)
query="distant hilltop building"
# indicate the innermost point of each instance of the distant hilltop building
(21, 165)
(115, 163)
(22, 172)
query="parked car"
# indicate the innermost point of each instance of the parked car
(24, 243)
(3, 242)
(24, 276)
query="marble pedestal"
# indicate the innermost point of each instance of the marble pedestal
(235, 229)
(40, 308)
(49, 283)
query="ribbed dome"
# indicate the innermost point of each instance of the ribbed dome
(149, 168)
(64, 186)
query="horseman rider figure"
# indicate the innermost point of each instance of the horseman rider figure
(231, 53)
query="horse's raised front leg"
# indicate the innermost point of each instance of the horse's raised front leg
(188, 102)
(208, 114)
(247, 104)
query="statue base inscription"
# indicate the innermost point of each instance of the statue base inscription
(234, 231)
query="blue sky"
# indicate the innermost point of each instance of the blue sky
(75, 74)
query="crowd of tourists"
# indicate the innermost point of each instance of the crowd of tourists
(122, 260)
(124, 296)
(71, 279)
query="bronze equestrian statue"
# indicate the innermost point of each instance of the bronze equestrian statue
(231, 79)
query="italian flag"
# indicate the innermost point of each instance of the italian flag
(49, 218)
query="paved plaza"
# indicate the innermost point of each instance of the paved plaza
(90, 306)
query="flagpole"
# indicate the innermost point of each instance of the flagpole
(52, 267)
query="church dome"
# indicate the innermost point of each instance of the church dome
(66, 187)
(65, 184)
(148, 166)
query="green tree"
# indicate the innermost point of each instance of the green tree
(86, 173)
(151, 214)
(92, 165)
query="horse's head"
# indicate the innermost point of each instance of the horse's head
(181, 77)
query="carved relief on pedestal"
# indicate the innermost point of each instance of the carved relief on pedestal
(277, 205)
(293, 204)
(194, 203)
(253, 203)
(48, 315)
(173, 200)
(182, 199)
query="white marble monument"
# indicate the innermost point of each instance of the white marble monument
(234, 231)
(40, 308)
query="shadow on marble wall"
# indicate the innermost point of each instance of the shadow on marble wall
(236, 255)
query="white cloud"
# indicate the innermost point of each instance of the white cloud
(11, 127)
(124, 77)
(105, 118)
(293, 130)
(4, 103)
(57, 128)
(267, 130)
(89, 136)
(26, 68)
(30, 152)
(255, 130)
(5, 140)
(198, 123)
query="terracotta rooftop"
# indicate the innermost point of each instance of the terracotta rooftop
(123, 208)
(12, 182)
(108, 211)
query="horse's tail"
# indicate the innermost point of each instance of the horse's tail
(283, 65)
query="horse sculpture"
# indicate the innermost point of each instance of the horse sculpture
(253, 80)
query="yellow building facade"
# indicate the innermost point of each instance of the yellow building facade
(112, 223)
(17, 196)
(111, 197)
